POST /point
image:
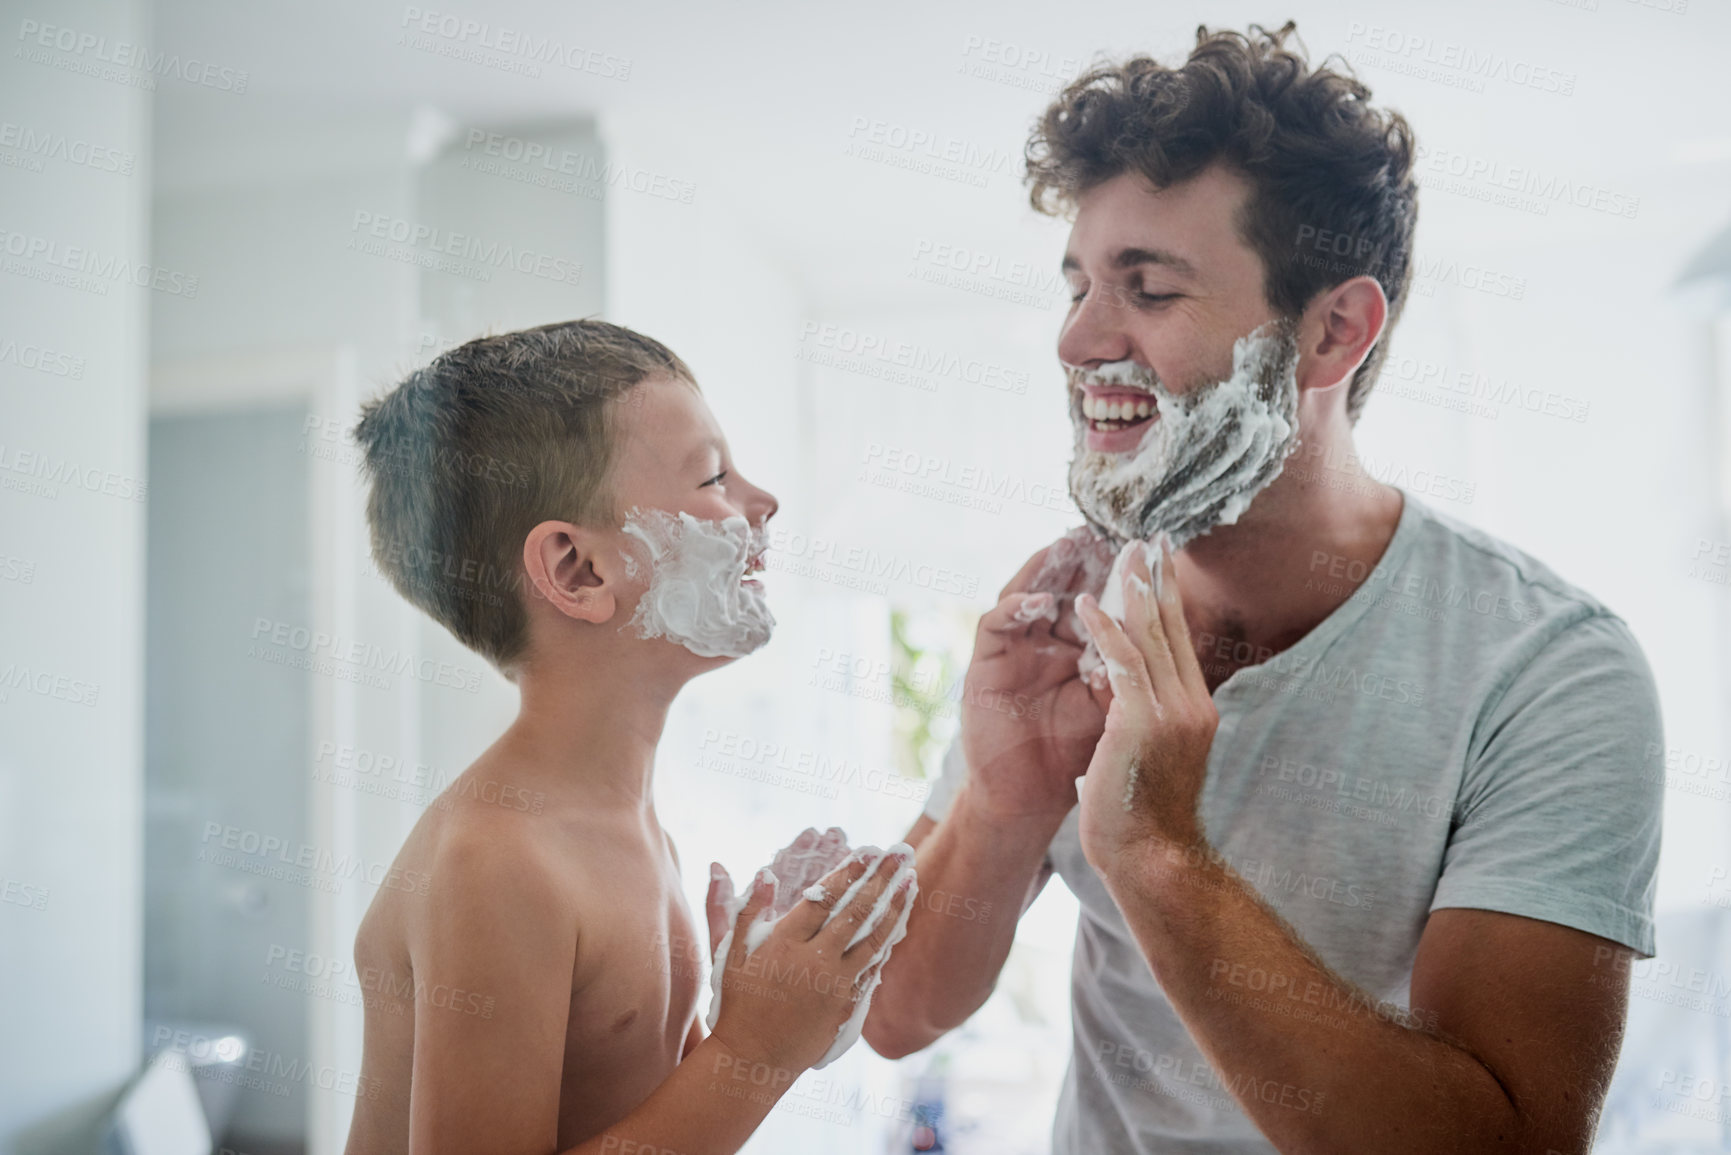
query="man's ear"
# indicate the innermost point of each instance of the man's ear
(574, 569)
(1340, 327)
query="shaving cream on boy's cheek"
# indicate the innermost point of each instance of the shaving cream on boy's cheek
(697, 596)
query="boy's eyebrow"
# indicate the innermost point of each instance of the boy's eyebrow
(1131, 257)
(702, 451)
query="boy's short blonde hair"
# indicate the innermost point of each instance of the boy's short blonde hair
(468, 454)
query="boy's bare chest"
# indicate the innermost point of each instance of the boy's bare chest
(634, 991)
(639, 967)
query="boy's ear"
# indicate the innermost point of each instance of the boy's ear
(574, 569)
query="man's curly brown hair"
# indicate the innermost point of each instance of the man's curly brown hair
(1325, 169)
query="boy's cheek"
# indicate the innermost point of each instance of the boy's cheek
(708, 508)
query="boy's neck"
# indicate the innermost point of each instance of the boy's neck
(593, 725)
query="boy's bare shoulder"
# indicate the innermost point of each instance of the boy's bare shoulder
(497, 853)
(478, 862)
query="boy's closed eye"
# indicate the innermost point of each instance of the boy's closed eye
(717, 479)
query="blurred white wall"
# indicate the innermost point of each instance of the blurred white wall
(73, 488)
(329, 286)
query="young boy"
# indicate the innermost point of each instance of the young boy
(543, 1003)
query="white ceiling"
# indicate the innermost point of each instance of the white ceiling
(755, 100)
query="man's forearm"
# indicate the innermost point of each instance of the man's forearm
(974, 869)
(1316, 1063)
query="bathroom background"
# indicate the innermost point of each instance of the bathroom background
(819, 208)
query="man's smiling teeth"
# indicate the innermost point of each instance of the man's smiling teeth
(1097, 410)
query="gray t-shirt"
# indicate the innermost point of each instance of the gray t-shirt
(1466, 730)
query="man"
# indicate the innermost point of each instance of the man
(1359, 802)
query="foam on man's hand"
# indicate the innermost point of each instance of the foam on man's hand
(1090, 666)
(1041, 606)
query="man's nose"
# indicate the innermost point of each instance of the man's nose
(1095, 331)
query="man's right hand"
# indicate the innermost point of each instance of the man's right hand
(1029, 723)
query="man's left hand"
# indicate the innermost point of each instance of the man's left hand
(1144, 784)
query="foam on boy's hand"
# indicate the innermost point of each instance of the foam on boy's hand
(796, 868)
(805, 854)
(883, 900)
(849, 1032)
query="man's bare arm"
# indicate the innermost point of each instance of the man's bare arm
(1509, 1044)
(976, 880)
(1029, 726)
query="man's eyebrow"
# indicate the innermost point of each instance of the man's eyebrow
(1130, 258)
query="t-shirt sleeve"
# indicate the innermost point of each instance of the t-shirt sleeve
(1562, 799)
(950, 776)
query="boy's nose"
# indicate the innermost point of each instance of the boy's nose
(764, 508)
(760, 504)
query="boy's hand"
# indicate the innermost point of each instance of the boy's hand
(788, 999)
(795, 866)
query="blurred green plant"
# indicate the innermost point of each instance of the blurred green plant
(928, 658)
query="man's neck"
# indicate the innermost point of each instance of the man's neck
(1254, 588)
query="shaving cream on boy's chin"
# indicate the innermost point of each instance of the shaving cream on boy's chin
(697, 595)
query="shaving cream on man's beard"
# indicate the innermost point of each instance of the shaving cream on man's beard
(1209, 452)
(697, 595)
(1198, 466)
